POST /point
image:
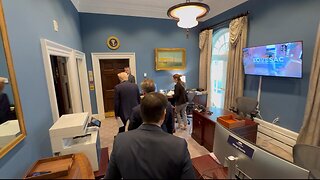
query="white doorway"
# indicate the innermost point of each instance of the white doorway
(96, 58)
(80, 99)
(83, 81)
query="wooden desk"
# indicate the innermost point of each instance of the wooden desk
(103, 164)
(204, 125)
(205, 167)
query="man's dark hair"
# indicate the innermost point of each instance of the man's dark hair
(152, 107)
(147, 85)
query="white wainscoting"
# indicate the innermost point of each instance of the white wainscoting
(276, 135)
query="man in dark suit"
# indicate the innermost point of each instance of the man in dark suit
(131, 77)
(148, 152)
(4, 103)
(135, 119)
(126, 97)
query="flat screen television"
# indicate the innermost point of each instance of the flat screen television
(282, 60)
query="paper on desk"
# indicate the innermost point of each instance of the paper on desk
(119, 121)
(215, 158)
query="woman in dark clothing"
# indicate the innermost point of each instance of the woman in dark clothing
(181, 101)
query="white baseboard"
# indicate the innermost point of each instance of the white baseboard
(276, 135)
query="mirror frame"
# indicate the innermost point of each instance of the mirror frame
(13, 82)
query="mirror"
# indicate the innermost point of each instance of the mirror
(12, 129)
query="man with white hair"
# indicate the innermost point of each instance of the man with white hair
(4, 103)
(126, 96)
(131, 77)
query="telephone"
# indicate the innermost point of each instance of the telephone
(200, 108)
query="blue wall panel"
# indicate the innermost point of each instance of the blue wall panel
(27, 22)
(142, 36)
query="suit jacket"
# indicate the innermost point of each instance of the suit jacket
(4, 108)
(131, 78)
(126, 97)
(149, 153)
(180, 95)
(136, 119)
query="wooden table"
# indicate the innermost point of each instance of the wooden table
(205, 167)
(204, 125)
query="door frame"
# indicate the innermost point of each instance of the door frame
(96, 57)
(51, 48)
(84, 85)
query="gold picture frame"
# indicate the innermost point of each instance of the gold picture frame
(17, 104)
(170, 58)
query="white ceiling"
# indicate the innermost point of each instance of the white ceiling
(148, 8)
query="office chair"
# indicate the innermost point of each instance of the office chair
(307, 156)
(246, 106)
(190, 104)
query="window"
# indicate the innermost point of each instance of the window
(218, 69)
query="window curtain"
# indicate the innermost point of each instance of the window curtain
(205, 45)
(235, 76)
(310, 130)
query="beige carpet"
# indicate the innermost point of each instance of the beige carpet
(109, 128)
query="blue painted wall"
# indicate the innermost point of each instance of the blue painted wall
(27, 22)
(142, 36)
(275, 21)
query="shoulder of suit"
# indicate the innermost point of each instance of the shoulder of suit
(136, 108)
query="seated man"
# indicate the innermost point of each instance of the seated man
(148, 152)
(147, 86)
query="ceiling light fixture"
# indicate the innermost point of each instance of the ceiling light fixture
(188, 13)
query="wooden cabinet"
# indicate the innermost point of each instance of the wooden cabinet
(204, 125)
(208, 134)
(197, 128)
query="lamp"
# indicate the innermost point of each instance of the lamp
(187, 13)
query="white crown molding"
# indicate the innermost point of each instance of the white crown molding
(147, 8)
(76, 4)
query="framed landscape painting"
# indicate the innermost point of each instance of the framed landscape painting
(170, 58)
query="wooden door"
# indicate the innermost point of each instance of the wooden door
(61, 84)
(109, 68)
